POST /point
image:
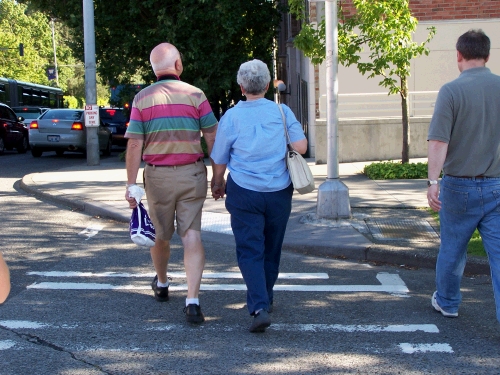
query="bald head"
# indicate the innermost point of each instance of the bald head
(166, 59)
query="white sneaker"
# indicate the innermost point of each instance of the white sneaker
(439, 309)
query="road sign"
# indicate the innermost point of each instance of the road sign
(92, 115)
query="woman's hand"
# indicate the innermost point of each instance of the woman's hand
(218, 189)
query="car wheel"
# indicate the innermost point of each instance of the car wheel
(2, 146)
(23, 146)
(36, 152)
(107, 150)
(59, 152)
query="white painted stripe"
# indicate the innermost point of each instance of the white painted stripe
(370, 328)
(428, 328)
(425, 348)
(17, 324)
(206, 275)
(224, 287)
(6, 344)
(91, 230)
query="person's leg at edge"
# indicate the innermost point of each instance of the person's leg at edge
(194, 261)
(160, 254)
(278, 212)
(489, 228)
(459, 217)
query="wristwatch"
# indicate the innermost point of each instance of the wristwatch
(431, 182)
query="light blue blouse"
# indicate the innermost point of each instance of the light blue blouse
(251, 141)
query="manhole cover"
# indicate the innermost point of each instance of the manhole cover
(402, 229)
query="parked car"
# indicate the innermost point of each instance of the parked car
(29, 113)
(63, 130)
(13, 133)
(117, 122)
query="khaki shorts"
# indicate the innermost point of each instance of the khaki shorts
(175, 193)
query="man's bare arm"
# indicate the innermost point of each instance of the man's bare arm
(436, 156)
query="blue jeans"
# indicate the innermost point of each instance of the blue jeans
(259, 222)
(467, 204)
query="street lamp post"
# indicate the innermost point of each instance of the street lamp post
(333, 194)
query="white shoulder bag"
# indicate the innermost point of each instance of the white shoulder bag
(300, 173)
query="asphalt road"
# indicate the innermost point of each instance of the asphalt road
(81, 304)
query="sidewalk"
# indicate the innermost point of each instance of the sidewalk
(389, 222)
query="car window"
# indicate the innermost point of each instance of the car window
(12, 114)
(7, 114)
(29, 114)
(62, 115)
(112, 114)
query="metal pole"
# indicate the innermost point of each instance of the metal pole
(90, 78)
(333, 195)
(54, 48)
(331, 30)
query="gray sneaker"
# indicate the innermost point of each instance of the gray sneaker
(439, 309)
(260, 322)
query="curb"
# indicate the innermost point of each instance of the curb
(369, 253)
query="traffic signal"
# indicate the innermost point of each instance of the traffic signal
(21, 49)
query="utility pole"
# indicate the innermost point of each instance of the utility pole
(333, 194)
(54, 48)
(90, 81)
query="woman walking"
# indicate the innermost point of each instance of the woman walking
(251, 143)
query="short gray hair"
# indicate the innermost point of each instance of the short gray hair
(253, 76)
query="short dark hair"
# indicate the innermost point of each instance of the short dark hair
(474, 44)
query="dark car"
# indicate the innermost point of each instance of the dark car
(63, 130)
(13, 133)
(117, 122)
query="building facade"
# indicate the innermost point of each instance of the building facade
(361, 100)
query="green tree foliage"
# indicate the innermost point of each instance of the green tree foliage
(21, 23)
(215, 37)
(34, 32)
(385, 28)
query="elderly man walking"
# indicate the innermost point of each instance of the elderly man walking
(165, 124)
(464, 142)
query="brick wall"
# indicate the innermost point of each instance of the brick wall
(428, 10)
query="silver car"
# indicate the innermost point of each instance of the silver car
(63, 130)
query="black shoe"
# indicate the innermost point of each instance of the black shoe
(194, 314)
(261, 321)
(270, 308)
(161, 293)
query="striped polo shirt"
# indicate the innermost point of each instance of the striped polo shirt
(168, 117)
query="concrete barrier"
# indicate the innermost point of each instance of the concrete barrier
(372, 139)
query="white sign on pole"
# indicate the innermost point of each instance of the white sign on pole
(92, 115)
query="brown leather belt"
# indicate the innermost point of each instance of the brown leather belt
(172, 166)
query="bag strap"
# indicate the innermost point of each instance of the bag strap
(289, 143)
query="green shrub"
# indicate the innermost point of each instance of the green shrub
(390, 170)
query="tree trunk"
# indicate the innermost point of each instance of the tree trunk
(405, 156)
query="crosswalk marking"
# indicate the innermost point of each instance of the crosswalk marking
(6, 344)
(406, 348)
(390, 283)
(425, 348)
(206, 275)
(377, 328)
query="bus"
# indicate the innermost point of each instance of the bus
(17, 93)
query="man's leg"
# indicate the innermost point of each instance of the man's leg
(194, 261)
(459, 217)
(160, 254)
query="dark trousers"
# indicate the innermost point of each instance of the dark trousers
(259, 222)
